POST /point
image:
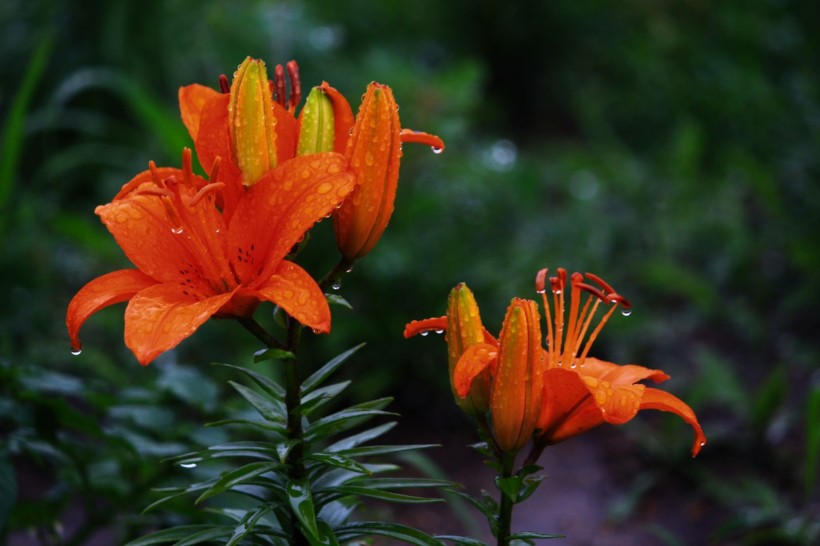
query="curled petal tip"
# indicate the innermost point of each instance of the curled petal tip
(420, 137)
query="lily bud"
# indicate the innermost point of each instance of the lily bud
(464, 330)
(374, 152)
(251, 121)
(515, 401)
(317, 121)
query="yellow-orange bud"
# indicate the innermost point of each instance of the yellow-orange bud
(251, 122)
(317, 124)
(464, 330)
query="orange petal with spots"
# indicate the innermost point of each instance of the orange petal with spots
(280, 208)
(661, 400)
(111, 288)
(192, 99)
(158, 318)
(294, 290)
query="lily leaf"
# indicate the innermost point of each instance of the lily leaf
(170, 535)
(271, 410)
(318, 377)
(301, 502)
(321, 396)
(268, 385)
(340, 461)
(269, 353)
(383, 495)
(389, 530)
(463, 541)
(236, 477)
(341, 421)
(360, 438)
(534, 536)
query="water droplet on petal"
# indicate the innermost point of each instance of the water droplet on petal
(436, 150)
(76, 352)
(336, 285)
(439, 331)
(425, 333)
(177, 230)
(626, 311)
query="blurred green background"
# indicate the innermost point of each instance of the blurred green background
(670, 147)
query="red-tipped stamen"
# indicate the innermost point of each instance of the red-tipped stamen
(572, 323)
(596, 279)
(224, 84)
(215, 169)
(279, 84)
(295, 86)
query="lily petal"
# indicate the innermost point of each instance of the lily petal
(661, 400)
(617, 374)
(295, 291)
(475, 360)
(567, 406)
(161, 316)
(342, 117)
(111, 288)
(192, 99)
(280, 208)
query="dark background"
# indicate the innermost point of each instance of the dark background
(670, 147)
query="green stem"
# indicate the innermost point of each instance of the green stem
(506, 504)
(335, 274)
(293, 400)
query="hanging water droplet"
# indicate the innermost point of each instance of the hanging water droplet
(337, 284)
(541, 291)
(558, 291)
(436, 149)
(349, 269)
(76, 352)
(439, 331)
(425, 333)
(626, 311)
(187, 465)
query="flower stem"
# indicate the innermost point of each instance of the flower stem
(506, 504)
(342, 267)
(295, 462)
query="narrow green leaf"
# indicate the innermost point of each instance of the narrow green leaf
(336, 299)
(234, 477)
(271, 410)
(169, 535)
(326, 535)
(216, 533)
(269, 353)
(301, 502)
(283, 449)
(247, 524)
(399, 483)
(529, 486)
(463, 541)
(509, 486)
(318, 377)
(340, 421)
(367, 451)
(380, 494)
(321, 396)
(360, 438)
(389, 530)
(339, 461)
(266, 425)
(268, 385)
(12, 137)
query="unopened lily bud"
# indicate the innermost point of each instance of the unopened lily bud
(317, 120)
(252, 122)
(464, 330)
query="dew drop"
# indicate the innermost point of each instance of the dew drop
(425, 333)
(177, 230)
(76, 352)
(436, 150)
(188, 465)
(626, 311)
(439, 331)
(336, 285)
(349, 269)
(558, 292)
(541, 291)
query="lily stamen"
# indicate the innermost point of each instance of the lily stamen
(295, 86)
(279, 84)
(205, 190)
(224, 84)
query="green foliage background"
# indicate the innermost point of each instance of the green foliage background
(671, 147)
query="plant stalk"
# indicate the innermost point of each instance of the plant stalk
(506, 504)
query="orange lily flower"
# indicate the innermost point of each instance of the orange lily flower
(372, 144)
(581, 392)
(506, 371)
(578, 392)
(193, 262)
